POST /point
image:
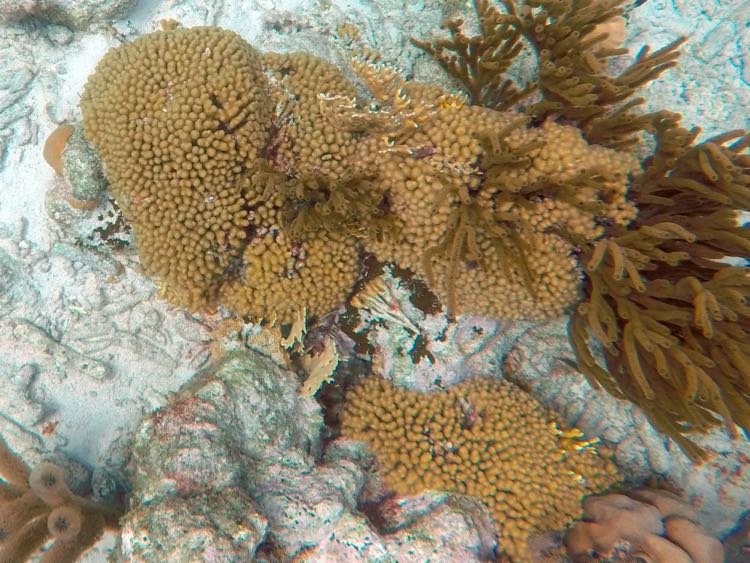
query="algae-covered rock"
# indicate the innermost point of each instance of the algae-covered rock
(222, 527)
(219, 427)
(82, 168)
(199, 464)
(79, 14)
(233, 462)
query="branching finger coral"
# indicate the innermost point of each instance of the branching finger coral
(256, 181)
(308, 144)
(460, 244)
(230, 202)
(282, 276)
(350, 204)
(178, 116)
(493, 208)
(669, 311)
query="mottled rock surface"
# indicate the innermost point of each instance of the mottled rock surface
(82, 168)
(75, 13)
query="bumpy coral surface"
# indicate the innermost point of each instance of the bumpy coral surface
(266, 213)
(178, 116)
(309, 144)
(230, 470)
(485, 438)
(653, 525)
(660, 297)
(255, 181)
(284, 276)
(450, 204)
(183, 119)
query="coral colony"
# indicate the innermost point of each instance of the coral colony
(469, 439)
(256, 180)
(259, 181)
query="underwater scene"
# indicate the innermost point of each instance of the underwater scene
(375, 280)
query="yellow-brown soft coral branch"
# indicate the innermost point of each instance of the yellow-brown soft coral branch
(479, 62)
(679, 348)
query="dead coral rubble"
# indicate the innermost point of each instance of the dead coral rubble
(484, 438)
(652, 525)
(36, 506)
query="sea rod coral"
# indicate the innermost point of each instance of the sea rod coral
(668, 309)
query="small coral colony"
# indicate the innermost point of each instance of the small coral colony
(258, 181)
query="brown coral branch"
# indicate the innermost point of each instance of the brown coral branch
(479, 62)
(689, 370)
(572, 44)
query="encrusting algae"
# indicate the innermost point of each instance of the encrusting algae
(483, 437)
(257, 181)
